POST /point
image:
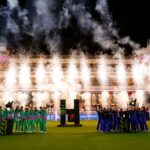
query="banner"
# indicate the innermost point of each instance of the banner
(56, 117)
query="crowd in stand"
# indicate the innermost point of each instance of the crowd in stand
(23, 119)
(133, 119)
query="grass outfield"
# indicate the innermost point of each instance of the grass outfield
(75, 138)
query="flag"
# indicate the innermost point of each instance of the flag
(3, 128)
(132, 102)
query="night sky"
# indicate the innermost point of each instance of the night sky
(130, 19)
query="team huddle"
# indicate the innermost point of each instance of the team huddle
(23, 120)
(133, 119)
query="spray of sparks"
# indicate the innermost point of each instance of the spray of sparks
(50, 81)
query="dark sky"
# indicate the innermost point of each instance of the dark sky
(130, 18)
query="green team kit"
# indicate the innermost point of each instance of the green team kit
(28, 120)
(2, 117)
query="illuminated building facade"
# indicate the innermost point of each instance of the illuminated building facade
(102, 80)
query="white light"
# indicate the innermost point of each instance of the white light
(10, 77)
(105, 98)
(121, 73)
(22, 98)
(56, 98)
(8, 97)
(140, 96)
(40, 98)
(40, 75)
(123, 99)
(72, 96)
(137, 73)
(56, 73)
(72, 72)
(24, 76)
(87, 97)
(102, 71)
(85, 72)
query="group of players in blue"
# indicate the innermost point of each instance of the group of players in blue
(133, 119)
(25, 120)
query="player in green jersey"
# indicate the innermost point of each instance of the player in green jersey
(25, 122)
(30, 121)
(9, 117)
(36, 115)
(16, 119)
(22, 117)
(1, 116)
(41, 119)
(44, 117)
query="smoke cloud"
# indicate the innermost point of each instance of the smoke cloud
(103, 9)
(13, 4)
(39, 24)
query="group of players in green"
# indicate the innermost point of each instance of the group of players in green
(24, 120)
